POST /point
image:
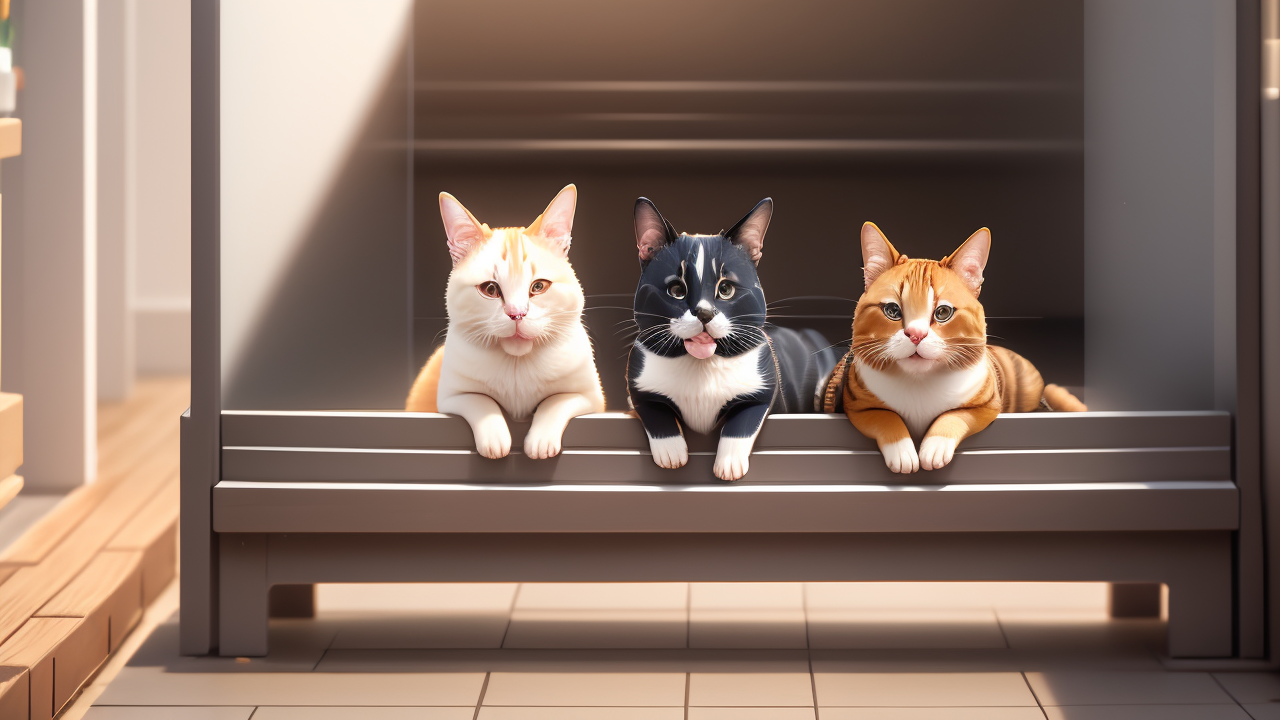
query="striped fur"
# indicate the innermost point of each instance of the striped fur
(919, 367)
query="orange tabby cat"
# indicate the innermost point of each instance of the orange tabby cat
(920, 365)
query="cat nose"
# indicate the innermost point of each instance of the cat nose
(705, 314)
(915, 333)
(515, 313)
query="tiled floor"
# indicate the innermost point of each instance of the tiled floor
(696, 651)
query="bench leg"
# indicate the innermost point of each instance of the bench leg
(292, 601)
(242, 593)
(1200, 620)
(1134, 600)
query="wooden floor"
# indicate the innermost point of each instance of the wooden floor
(75, 584)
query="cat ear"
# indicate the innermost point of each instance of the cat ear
(555, 224)
(653, 232)
(970, 259)
(877, 254)
(464, 231)
(750, 230)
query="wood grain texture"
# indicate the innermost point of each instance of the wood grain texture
(9, 489)
(33, 647)
(10, 433)
(109, 591)
(10, 137)
(122, 451)
(67, 597)
(15, 693)
(153, 532)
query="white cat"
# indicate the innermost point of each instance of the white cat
(516, 340)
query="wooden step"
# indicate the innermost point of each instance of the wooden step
(9, 489)
(10, 433)
(61, 654)
(76, 583)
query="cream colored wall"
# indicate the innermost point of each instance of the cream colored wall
(299, 79)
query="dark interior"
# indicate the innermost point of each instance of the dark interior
(932, 118)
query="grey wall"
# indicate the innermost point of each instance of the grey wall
(1159, 203)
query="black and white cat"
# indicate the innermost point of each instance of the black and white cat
(702, 358)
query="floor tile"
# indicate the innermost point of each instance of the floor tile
(742, 713)
(1126, 688)
(945, 660)
(747, 628)
(908, 628)
(602, 596)
(580, 713)
(585, 689)
(364, 713)
(417, 615)
(948, 713)
(1077, 597)
(750, 689)
(296, 646)
(419, 630)
(99, 712)
(1251, 687)
(1147, 712)
(1263, 711)
(598, 629)
(414, 597)
(155, 686)
(600, 615)
(739, 596)
(1002, 689)
(1144, 636)
(526, 660)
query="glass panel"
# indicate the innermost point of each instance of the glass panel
(1094, 139)
(316, 212)
(932, 120)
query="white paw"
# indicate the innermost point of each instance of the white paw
(936, 451)
(900, 456)
(541, 443)
(670, 452)
(493, 438)
(733, 457)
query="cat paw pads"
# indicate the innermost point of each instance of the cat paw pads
(733, 457)
(900, 456)
(670, 453)
(541, 445)
(493, 439)
(936, 452)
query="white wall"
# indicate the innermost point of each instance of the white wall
(145, 227)
(57, 337)
(162, 265)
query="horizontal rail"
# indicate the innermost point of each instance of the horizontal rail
(462, 508)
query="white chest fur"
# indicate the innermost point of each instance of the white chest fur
(519, 384)
(920, 399)
(699, 388)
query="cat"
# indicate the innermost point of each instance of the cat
(702, 358)
(920, 366)
(516, 341)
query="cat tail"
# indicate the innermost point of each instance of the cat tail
(1060, 399)
(422, 397)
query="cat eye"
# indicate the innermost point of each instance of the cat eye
(539, 286)
(892, 310)
(676, 290)
(943, 313)
(490, 289)
(725, 290)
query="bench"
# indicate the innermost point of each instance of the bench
(308, 497)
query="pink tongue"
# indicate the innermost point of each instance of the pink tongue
(701, 346)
